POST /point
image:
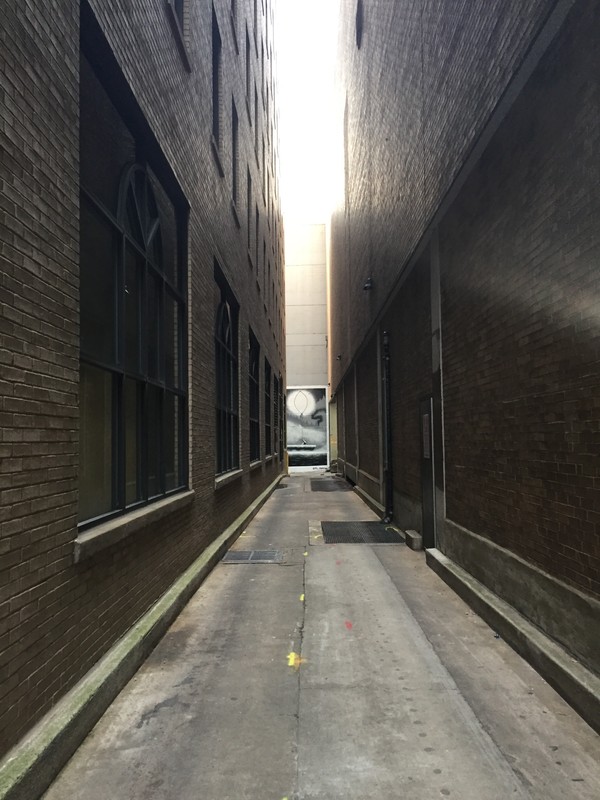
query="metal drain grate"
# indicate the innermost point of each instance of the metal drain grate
(328, 485)
(359, 533)
(252, 557)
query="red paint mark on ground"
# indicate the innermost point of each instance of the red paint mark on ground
(348, 625)
(337, 563)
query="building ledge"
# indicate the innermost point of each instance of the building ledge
(228, 477)
(96, 539)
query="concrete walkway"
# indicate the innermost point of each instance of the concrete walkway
(345, 672)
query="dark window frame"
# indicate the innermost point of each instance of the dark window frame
(254, 396)
(268, 401)
(133, 179)
(227, 380)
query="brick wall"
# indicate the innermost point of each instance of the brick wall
(519, 256)
(367, 395)
(417, 94)
(408, 322)
(518, 250)
(56, 617)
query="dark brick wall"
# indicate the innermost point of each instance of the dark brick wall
(367, 396)
(408, 323)
(341, 424)
(518, 251)
(351, 451)
(417, 94)
(57, 618)
(519, 257)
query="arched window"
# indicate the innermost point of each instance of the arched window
(226, 366)
(132, 297)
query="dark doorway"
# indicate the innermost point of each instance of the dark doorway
(427, 473)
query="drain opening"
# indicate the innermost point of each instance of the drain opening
(252, 557)
(359, 533)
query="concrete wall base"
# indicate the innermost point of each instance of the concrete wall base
(577, 684)
(30, 767)
(565, 614)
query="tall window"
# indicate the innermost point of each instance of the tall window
(254, 397)
(275, 414)
(235, 154)
(256, 237)
(249, 210)
(256, 122)
(179, 6)
(248, 72)
(216, 79)
(132, 297)
(280, 402)
(268, 439)
(226, 367)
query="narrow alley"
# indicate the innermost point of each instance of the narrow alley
(337, 671)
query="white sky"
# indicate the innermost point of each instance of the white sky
(306, 38)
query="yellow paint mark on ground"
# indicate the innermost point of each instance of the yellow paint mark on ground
(306, 553)
(295, 660)
(301, 598)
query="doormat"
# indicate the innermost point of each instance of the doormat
(360, 533)
(329, 485)
(252, 557)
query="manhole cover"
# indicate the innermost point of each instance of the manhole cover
(359, 533)
(252, 557)
(328, 485)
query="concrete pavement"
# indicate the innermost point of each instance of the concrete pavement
(344, 672)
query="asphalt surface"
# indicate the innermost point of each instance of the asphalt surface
(341, 672)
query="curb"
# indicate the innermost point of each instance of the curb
(579, 686)
(31, 766)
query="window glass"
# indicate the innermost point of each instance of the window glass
(167, 246)
(154, 427)
(171, 338)
(97, 285)
(171, 442)
(132, 311)
(95, 442)
(106, 145)
(152, 326)
(134, 270)
(132, 446)
(227, 386)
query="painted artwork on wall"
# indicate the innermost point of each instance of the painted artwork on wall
(307, 436)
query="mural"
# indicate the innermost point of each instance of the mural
(307, 427)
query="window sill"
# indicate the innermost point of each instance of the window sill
(217, 155)
(93, 540)
(268, 459)
(254, 465)
(178, 34)
(227, 478)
